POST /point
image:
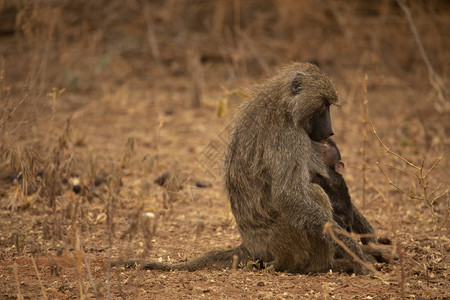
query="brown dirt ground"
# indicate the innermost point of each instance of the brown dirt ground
(198, 221)
(177, 138)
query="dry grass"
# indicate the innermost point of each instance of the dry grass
(103, 97)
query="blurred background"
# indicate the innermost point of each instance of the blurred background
(88, 46)
(199, 48)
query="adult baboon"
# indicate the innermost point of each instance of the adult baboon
(273, 154)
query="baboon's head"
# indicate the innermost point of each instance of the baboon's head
(312, 94)
(305, 95)
(331, 156)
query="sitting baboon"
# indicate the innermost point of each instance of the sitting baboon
(273, 154)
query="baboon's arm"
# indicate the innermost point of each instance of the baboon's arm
(298, 201)
(362, 226)
(304, 205)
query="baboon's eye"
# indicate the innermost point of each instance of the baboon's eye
(296, 84)
(326, 102)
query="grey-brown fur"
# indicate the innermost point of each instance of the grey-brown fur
(216, 259)
(269, 165)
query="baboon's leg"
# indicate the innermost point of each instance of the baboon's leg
(362, 226)
(346, 263)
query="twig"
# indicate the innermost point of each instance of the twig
(437, 188)
(91, 279)
(402, 271)
(44, 293)
(264, 65)
(422, 181)
(365, 139)
(435, 164)
(441, 195)
(393, 184)
(12, 111)
(16, 277)
(328, 229)
(342, 21)
(435, 80)
(109, 225)
(354, 235)
(54, 262)
(77, 264)
(402, 171)
(151, 34)
(235, 262)
(392, 152)
(380, 193)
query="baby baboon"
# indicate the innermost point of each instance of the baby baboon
(273, 154)
(334, 185)
(344, 212)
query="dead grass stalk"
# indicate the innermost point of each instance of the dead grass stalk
(44, 293)
(16, 278)
(364, 124)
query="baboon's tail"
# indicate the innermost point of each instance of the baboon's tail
(216, 259)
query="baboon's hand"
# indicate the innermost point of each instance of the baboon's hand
(378, 254)
(362, 270)
(349, 266)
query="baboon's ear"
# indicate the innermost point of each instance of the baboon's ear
(296, 85)
(339, 166)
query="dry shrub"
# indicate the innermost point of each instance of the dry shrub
(86, 46)
(248, 36)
